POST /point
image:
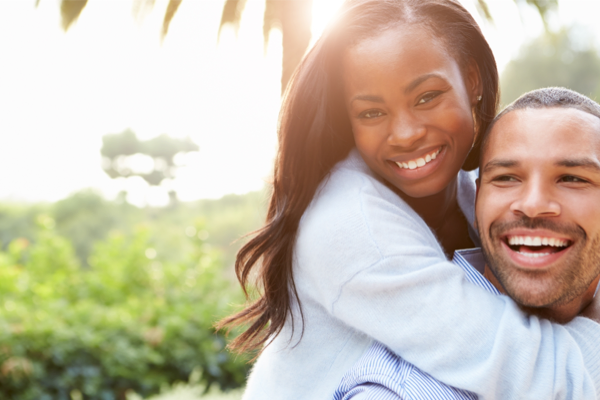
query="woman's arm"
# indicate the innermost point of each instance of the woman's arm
(373, 264)
(592, 311)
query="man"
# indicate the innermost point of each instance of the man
(538, 217)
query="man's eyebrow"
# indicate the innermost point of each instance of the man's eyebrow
(499, 164)
(411, 86)
(586, 163)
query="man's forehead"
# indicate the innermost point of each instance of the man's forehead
(544, 133)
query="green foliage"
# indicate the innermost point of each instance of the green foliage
(85, 218)
(128, 323)
(19, 221)
(553, 59)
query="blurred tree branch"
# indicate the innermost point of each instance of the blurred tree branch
(292, 17)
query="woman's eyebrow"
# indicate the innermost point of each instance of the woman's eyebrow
(411, 86)
(367, 97)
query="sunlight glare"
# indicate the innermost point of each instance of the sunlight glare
(323, 12)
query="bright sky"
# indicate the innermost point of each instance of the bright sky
(60, 92)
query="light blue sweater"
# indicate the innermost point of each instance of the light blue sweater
(367, 267)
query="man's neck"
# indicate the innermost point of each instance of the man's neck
(561, 313)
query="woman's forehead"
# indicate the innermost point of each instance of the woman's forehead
(397, 56)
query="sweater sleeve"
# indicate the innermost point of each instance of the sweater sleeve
(375, 265)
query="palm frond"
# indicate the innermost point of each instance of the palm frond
(169, 14)
(232, 13)
(484, 10)
(271, 19)
(141, 8)
(70, 11)
(543, 7)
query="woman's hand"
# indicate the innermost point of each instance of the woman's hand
(592, 311)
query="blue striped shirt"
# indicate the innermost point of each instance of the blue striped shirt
(382, 375)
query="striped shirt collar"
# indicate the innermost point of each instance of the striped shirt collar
(472, 262)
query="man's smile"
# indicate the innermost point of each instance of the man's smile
(534, 248)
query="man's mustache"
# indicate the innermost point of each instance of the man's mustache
(568, 229)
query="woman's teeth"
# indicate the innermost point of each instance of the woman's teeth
(419, 162)
(536, 241)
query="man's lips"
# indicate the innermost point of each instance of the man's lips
(535, 248)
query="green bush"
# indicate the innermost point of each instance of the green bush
(127, 323)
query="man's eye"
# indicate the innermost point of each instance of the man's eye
(369, 114)
(427, 97)
(572, 179)
(505, 178)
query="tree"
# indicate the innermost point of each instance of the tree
(119, 149)
(553, 59)
(293, 17)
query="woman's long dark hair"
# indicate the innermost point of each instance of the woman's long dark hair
(314, 134)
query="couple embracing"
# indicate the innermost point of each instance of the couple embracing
(375, 188)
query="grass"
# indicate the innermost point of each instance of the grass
(186, 391)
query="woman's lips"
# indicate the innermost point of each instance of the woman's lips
(419, 161)
(435, 156)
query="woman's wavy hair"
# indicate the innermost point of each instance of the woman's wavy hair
(314, 134)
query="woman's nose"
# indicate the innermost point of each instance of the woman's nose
(405, 131)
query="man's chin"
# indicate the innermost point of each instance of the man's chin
(531, 293)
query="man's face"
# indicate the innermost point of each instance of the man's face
(538, 206)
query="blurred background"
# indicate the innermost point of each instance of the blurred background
(136, 140)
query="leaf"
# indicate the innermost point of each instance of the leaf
(484, 10)
(169, 14)
(141, 8)
(232, 13)
(271, 19)
(543, 7)
(70, 11)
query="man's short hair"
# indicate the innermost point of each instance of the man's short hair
(551, 97)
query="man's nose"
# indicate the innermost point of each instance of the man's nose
(536, 200)
(406, 130)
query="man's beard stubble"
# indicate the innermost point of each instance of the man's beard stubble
(570, 281)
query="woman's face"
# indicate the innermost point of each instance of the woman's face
(410, 108)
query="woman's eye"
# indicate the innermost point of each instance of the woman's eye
(369, 114)
(427, 97)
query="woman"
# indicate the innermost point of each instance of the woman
(350, 251)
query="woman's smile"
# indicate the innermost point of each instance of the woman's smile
(421, 161)
(420, 167)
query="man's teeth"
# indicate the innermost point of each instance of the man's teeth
(533, 255)
(536, 241)
(419, 162)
